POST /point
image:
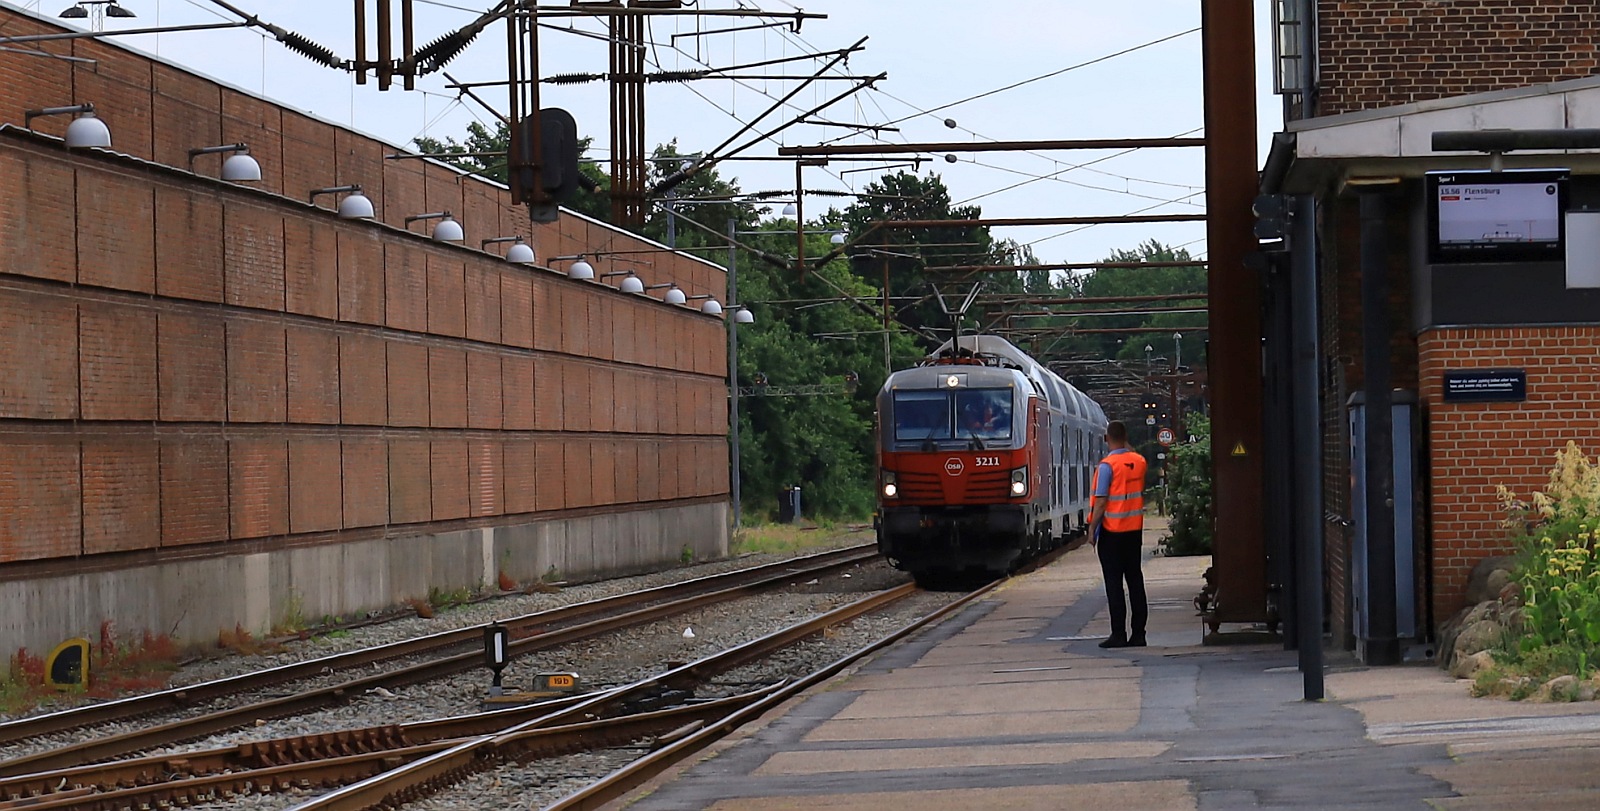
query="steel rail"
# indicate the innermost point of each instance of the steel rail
(636, 773)
(428, 774)
(236, 717)
(178, 698)
(166, 788)
(280, 751)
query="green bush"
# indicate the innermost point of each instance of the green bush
(1189, 486)
(1557, 577)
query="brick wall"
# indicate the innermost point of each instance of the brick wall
(158, 112)
(1381, 53)
(197, 365)
(1477, 446)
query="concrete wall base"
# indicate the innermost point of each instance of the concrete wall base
(194, 600)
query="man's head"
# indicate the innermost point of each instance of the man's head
(1117, 434)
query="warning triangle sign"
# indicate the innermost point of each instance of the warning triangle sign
(1238, 449)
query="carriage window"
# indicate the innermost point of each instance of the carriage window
(984, 413)
(921, 415)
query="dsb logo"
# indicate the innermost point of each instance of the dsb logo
(953, 466)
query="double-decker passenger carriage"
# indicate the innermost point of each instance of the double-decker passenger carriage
(985, 460)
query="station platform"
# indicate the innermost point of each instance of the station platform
(1011, 705)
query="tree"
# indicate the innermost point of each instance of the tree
(902, 254)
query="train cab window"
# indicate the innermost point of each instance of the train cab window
(921, 415)
(984, 413)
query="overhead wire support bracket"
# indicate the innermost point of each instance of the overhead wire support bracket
(711, 156)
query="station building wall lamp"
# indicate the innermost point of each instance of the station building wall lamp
(709, 305)
(237, 168)
(630, 281)
(673, 294)
(520, 252)
(446, 230)
(85, 131)
(580, 270)
(355, 206)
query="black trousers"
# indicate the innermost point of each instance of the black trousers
(1119, 561)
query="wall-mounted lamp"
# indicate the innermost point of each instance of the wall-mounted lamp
(580, 270)
(630, 282)
(742, 315)
(520, 252)
(710, 306)
(448, 230)
(237, 168)
(673, 294)
(85, 131)
(356, 206)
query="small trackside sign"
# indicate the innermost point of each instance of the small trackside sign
(953, 466)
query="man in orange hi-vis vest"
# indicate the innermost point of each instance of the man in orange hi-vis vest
(1116, 529)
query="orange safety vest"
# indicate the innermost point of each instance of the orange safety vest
(1125, 499)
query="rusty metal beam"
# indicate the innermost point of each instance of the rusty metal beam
(1036, 331)
(1114, 311)
(830, 150)
(1012, 298)
(1234, 357)
(1110, 219)
(1199, 263)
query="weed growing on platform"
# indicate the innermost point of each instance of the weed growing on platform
(1557, 631)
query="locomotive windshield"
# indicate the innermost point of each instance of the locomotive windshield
(921, 415)
(965, 414)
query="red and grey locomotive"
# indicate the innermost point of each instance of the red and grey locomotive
(985, 460)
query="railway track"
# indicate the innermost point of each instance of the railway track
(388, 766)
(451, 652)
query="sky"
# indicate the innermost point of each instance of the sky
(1122, 70)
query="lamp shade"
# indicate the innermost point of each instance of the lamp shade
(789, 210)
(580, 270)
(88, 130)
(674, 296)
(711, 307)
(743, 316)
(241, 168)
(356, 207)
(837, 238)
(631, 284)
(448, 230)
(520, 253)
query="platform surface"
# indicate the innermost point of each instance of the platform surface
(1007, 705)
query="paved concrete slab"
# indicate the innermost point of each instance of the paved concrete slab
(966, 756)
(1162, 796)
(950, 725)
(996, 699)
(1010, 704)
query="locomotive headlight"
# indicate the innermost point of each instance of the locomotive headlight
(890, 489)
(1019, 482)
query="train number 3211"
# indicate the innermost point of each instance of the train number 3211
(987, 461)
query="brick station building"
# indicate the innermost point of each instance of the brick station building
(1382, 77)
(222, 406)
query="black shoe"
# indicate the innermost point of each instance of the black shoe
(1136, 642)
(1114, 642)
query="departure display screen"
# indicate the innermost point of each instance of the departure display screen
(1496, 216)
